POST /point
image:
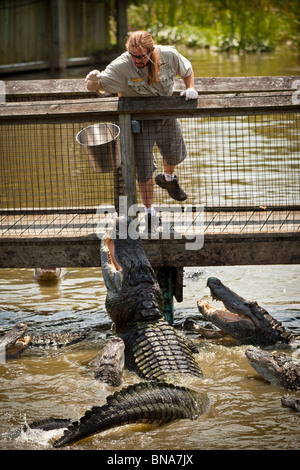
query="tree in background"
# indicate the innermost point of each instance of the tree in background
(244, 26)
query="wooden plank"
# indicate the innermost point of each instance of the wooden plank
(227, 249)
(252, 218)
(207, 85)
(240, 84)
(218, 250)
(51, 87)
(157, 107)
(52, 224)
(9, 223)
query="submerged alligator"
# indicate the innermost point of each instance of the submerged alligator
(15, 341)
(291, 402)
(48, 275)
(245, 321)
(276, 368)
(152, 348)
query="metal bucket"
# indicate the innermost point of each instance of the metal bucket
(101, 145)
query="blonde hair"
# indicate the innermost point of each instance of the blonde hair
(143, 39)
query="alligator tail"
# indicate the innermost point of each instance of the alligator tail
(142, 402)
(46, 424)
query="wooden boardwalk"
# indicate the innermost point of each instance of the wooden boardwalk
(66, 224)
(223, 237)
(234, 235)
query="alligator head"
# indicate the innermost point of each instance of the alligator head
(15, 342)
(48, 275)
(133, 293)
(278, 369)
(245, 321)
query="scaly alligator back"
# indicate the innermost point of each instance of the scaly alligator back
(57, 340)
(158, 352)
(142, 402)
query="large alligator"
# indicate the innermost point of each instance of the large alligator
(276, 368)
(15, 341)
(245, 321)
(152, 347)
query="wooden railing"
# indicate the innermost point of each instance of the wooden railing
(66, 101)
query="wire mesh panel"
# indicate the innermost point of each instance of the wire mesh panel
(49, 186)
(243, 169)
(240, 160)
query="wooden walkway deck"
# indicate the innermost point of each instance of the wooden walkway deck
(224, 237)
(232, 221)
(232, 235)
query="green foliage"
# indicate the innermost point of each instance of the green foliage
(239, 25)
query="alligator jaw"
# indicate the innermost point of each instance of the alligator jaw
(227, 321)
(20, 345)
(232, 301)
(225, 315)
(252, 325)
(112, 272)
(133, 293)
(15, 341)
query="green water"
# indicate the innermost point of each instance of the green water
(206, 63)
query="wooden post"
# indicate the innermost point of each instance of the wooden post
(127, 158)
(122, 28)
(58, 43)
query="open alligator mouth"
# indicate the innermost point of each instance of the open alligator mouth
(15, 341)
(109, 247)
(209, 312)
(234, 318)
(18, 346)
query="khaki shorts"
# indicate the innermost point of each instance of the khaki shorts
(166, 134)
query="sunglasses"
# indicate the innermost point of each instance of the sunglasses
(143, 56)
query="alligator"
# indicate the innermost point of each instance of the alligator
(47, 424)
(110, 365)
(14, 342)
(152, 348)
(48, 275)
(291, 402)
(276, 368)
(245, 321)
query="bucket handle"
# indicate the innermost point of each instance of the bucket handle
(113, 138)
